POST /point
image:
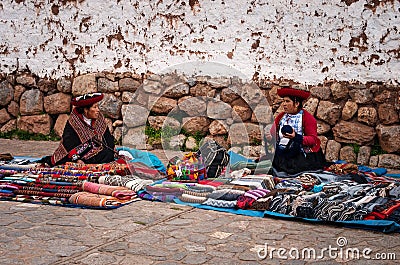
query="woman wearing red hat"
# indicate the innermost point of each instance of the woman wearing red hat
(86, 137)
(294, 131)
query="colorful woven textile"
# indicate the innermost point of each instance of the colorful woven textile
(220, 203)
(226, 194)
(162, 198)
(144, 172)
(341, 169)
(189, 168)
(118, 192)
(131, 182)
(43, 194)
(192, 199)
(98, 200)
(163, 190)
(38, 199)
(110, 168)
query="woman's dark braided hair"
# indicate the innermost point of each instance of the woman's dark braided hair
(297, 100)
(80, 110)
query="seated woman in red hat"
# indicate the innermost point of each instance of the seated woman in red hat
(294, 131)
(86, 137)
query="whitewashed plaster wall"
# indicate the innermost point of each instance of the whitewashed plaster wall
(306, 41)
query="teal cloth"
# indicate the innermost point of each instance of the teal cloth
(235, 157)
(392, 175)
(385, 226)
(238, 162)
(144, 157)
(227, 210)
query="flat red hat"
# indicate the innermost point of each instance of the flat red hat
(288, 91)
(87, 99)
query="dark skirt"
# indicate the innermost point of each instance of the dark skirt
(300, 163)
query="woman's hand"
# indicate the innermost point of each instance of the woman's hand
(290, 135)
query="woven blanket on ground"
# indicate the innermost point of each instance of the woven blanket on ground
(131, 182)
(162, 198)
(253, 183)
(234, 187)
(111, 168)
(220, 203)
(98, 200)
(49, 187)
(192, 198)
(20, 187)
(58, 184)
(65, 173)
(144, 172)
(225, 194)
(321, 196)
(169, 190)
(37, 199)
(43, 194)
(261, 167)
(118, 192)
(164, 191)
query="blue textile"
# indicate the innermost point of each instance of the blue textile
(22, 158)
(227, 210)
(385, 226)
(235, 157)
(144, 157)
(393, 175)
(379, 171)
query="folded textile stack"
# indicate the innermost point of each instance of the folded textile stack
(103, 196)
(349, 196)
(255, 181)
(70, 184)
(261, 167)
(248, 198)
(131, 182)
(97, 200)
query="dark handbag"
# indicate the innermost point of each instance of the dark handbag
(215, 158)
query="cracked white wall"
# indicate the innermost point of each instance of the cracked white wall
(307, 41)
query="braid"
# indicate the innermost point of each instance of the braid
(297, 100)
(80, 109)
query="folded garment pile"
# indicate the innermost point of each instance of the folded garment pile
(344, 195)
(87, 185)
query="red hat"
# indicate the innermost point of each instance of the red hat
(87, 99)
(302, 93)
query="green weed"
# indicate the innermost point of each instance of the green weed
(24, 135)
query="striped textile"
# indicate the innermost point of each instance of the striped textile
(118, 192)
(98, 200)
(131, 182)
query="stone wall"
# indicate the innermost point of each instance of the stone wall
(229, 109)
(305, 41)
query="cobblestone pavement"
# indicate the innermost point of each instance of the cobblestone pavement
(147, 232)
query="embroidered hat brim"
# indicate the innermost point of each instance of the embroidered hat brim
(87, 99)
(287, 91)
